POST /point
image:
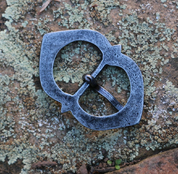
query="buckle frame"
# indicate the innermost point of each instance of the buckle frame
(129, 115)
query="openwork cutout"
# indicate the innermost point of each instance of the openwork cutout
(72, 61)
(116, 82)
(129, 115)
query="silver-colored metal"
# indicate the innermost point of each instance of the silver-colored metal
(90, 80)
(129, 115)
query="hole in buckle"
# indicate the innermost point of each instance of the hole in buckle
(113, 79)
(72, 61)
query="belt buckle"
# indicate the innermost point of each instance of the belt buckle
(128, 115)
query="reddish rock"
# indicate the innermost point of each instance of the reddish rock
(42, 164)
(162, 163)
(82, 169)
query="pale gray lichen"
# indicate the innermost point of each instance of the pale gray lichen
(163, 1)
(80, 60)
(31, 122)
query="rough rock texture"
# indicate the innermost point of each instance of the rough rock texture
(82, 170)
(32, 128)
(165, 162)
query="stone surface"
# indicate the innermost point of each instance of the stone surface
(162, 163)
(32, 128)
(82, 170)
(3, 6)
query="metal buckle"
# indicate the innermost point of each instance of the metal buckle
(128, 115)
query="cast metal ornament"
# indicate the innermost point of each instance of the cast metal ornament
(128, 115)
